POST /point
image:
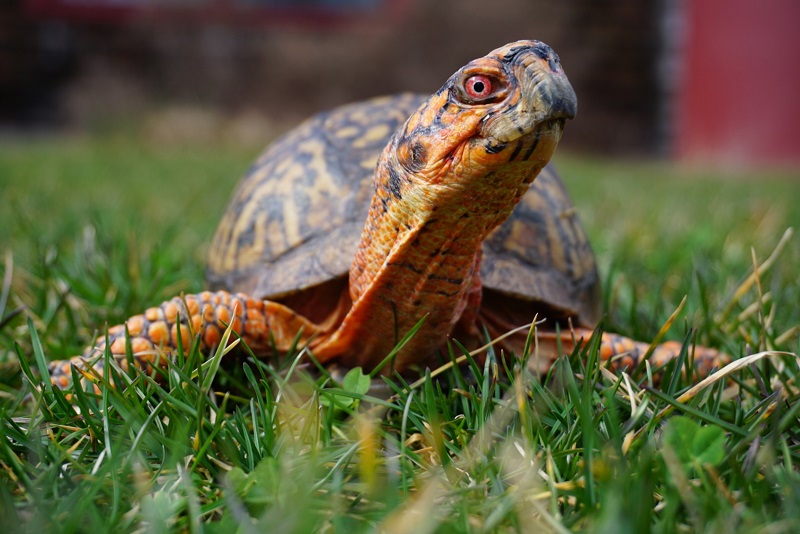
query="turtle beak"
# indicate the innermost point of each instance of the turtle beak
(545, 95)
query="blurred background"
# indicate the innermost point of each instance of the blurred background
(714, 81)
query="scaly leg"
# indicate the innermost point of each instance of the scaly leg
(154, 334)
(624, 353)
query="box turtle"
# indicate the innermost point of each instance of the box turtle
(365, 220)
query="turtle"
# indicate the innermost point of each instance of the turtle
(399, 213)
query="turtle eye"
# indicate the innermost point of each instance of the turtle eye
(478, 86)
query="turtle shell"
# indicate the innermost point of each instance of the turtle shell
(295, 219)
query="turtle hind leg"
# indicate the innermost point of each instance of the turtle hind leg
(155, 334)
(625, 354)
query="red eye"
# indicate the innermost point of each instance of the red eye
(478, 86)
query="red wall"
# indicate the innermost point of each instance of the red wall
(739, 96)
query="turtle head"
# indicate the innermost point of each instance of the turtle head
(507, 107)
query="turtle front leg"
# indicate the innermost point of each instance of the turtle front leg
(154, 335)
(624, 353)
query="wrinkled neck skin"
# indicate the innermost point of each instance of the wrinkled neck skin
(419, 253)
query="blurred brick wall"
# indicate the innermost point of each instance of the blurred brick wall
(609, 50)
(739, 101)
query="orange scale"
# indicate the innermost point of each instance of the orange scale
(628, 362)
(170, 312)
(141, 344)
(606, 351)
(158, 333)
(116, 330)
(153, 314)
(223, 315)
(184, 333)
(192, 305)
(135, 325)
(118, 346)
(212, 336)
(660, 357)
(255, 328)
(63, 382)
(208, 313)
(197, 323)
(237, 325)
(673, 348)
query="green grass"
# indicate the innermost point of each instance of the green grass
(101, 228)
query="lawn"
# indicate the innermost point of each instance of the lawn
(97, 228)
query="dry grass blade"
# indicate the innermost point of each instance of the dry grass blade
(726, 371)
(729, 369)
(9, 268)
(754, 308)
(787, 335)
(762, 320)
(663, 331)
(742, 290)
(7, 277)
